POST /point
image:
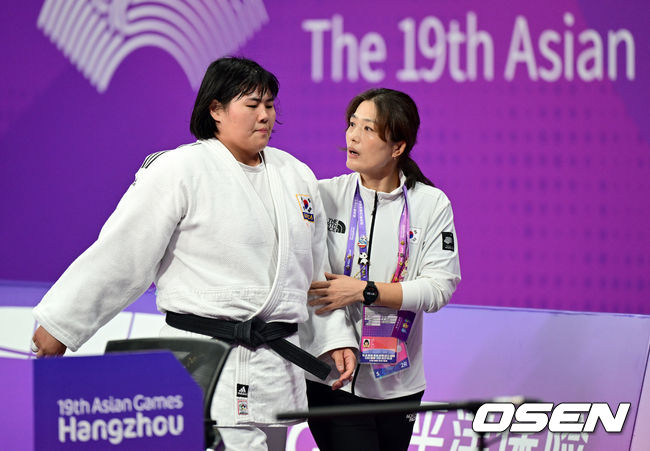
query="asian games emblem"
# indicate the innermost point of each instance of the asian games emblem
(306, 206)
(98, 35)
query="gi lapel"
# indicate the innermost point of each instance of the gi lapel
(279, 202)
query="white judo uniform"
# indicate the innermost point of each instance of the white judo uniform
(432, 273)
(194, 224)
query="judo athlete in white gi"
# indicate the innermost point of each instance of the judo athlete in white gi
(232, 232)
(393, 251)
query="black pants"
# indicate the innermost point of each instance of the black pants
(387, 432)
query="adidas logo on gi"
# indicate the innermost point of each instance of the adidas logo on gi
(242, 391)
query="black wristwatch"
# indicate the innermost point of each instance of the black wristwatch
(370, 293)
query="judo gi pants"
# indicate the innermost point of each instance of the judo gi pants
(389, 432)
(251, 438)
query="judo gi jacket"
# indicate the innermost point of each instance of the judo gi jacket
(192, 224)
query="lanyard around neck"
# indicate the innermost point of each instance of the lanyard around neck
(358, 222)
(403, 244)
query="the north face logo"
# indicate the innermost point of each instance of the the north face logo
(335, 225)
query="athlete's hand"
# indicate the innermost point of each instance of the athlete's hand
(345, 361)
(336, 292)
(47, 345)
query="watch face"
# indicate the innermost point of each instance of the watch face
(370, 294)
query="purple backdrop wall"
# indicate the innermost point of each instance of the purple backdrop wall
(542, 144)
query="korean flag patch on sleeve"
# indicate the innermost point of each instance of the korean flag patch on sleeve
(306, 206)
(447, 241)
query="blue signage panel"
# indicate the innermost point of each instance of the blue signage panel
(16, 414)
(130, 401)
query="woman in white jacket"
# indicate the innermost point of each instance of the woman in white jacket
(393, 254)
(232, 233)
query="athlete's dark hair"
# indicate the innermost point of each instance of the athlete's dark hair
(397, 120)
(226, 79)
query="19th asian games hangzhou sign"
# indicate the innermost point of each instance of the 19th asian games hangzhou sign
(126, 401)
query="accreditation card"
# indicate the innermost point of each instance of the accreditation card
(402, 323)
(378, 345)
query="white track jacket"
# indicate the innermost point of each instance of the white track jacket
(432, 273)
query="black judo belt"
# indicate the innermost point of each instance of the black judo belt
(252, 334)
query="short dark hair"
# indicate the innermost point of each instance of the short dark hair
(397, 120)
(225, 79)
